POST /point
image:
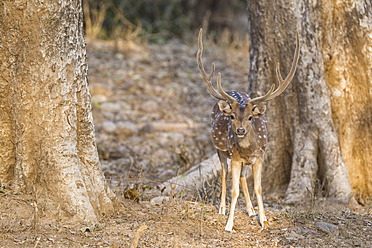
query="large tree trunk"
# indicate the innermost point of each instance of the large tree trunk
(47, 142)
(304, 142)
(347, 54)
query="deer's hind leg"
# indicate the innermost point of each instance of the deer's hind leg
(243, 182)
(223, 161)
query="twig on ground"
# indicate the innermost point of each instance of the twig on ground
(138, 234)
(171, 193)
(37, 241)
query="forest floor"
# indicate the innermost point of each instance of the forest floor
(152, 114)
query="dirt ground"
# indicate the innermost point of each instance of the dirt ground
(151, 114)
(181, 223)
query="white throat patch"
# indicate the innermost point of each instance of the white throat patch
(244, 143)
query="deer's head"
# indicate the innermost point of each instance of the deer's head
(241, 111)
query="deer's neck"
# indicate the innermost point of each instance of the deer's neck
(246, 148)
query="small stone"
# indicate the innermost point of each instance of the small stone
(110, 107)
(98, 99)
(294, 236)
(126, 129)
(123, 161)
(108, 127)
(161, 155)
(149, 106)
(326, 227)
(303, 230)
(108, 115)
(159, 200)
(163, 139)
(100, 89)
(135, 141)
(105, 165)
(167, 174)
(177, 138)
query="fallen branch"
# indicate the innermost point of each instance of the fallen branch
(195, 177)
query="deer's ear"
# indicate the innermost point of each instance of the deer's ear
(258, 110)
(224, 107)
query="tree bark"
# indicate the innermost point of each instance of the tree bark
(347, 55)
(304, 142)
(47, 142)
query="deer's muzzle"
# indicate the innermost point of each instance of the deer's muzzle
(240, 132)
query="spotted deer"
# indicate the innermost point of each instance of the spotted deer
(239, 132)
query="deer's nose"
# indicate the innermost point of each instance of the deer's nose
(240, 131)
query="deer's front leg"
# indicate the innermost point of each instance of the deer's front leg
(243, 182)
(235, 173)
(223, 161)
(257, 167)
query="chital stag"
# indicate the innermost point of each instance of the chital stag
(239, 132)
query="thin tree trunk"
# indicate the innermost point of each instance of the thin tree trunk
(47, 133)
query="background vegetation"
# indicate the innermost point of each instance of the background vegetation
(160, 20)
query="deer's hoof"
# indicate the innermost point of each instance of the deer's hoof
(264, 224)
(251, 212)
(229, 227)
(222, 211)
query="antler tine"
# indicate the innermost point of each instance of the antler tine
(284, 83)
(222, 92)
(207, 79)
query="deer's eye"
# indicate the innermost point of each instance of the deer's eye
(232, 117)
(250, 118)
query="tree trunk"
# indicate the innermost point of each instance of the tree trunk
(347, 54)
(47, 142)
(304, 142)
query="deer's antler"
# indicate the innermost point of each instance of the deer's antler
(208, 79)
(282, 83)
